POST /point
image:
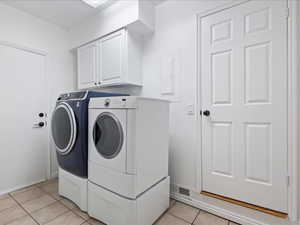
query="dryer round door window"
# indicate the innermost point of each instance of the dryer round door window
(108, 135)
(63, 128)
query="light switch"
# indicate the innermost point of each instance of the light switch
(191, 109)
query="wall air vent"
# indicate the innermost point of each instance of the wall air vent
(184, 191)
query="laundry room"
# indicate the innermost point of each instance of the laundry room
(141, 112)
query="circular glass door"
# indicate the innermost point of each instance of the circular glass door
(63, 128)
(108, 135)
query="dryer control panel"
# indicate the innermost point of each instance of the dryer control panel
(114, 102)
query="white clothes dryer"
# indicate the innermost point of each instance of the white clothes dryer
(128, 157)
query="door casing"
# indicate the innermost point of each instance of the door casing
(292, 101)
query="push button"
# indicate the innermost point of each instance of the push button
(107, 102)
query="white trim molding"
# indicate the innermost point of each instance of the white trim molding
(235, 213)
(42, 53)
(24, 48)
(292, 110)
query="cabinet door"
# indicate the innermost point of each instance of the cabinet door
(87, 66)
(111, 50)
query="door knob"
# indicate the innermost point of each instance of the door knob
(42, 114)
(39, 125)
(206, 113)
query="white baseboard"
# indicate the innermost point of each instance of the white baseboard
(21, 186)
(235, 213)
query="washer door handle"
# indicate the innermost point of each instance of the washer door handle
(96, 134)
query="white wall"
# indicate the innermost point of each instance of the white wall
(175, 35)
(137, 15)
(20, 28)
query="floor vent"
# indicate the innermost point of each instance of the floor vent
(184, 191)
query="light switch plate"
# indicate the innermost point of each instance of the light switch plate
(191, 109)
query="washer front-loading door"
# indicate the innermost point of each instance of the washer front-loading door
(63, 128)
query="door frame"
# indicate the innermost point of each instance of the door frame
(292, 160)
(42, 53)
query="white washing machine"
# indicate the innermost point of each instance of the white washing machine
(128, 160)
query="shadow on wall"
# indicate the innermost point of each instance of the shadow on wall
(130, 90)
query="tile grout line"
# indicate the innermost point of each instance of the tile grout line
(196, 216)
(87, 221)
(165, 212)
(57, 215)
(162, 215)
(73, 211)
(8, 196)
(199, 210)
(84, 222)
(180, 217)
(60, 201)
(24, 209)
(30, 214)
(61, 215)
(55, 200)
(76, 210)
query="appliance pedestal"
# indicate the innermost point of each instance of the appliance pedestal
(113, 209)
(73, 188)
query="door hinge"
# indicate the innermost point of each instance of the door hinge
(287, 12)
(288, 180)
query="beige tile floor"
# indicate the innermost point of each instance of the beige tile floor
(41, 204)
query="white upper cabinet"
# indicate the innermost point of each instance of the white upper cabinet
(110, 61)
(87, 65)
(111, 49)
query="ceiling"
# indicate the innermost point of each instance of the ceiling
(65, 13)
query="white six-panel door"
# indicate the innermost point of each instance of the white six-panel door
(244, 87)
